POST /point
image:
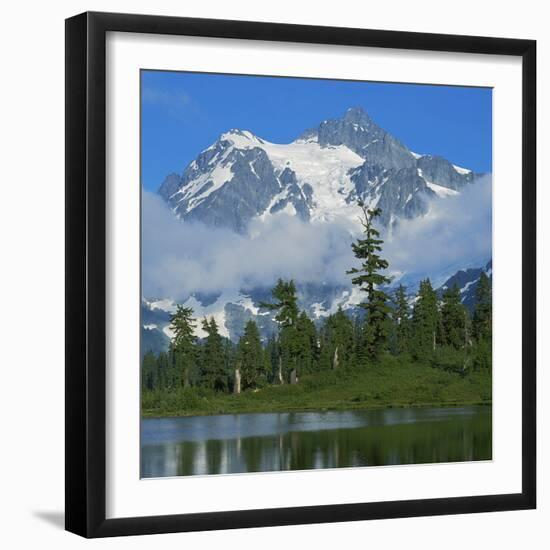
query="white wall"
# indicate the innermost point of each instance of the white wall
(31, 299)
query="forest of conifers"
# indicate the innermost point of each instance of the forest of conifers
(436, 334)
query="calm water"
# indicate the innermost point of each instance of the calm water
(307, 440)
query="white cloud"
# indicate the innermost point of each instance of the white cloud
(457, 232)
(184, 257)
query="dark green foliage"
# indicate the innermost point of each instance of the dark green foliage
(402, 320)
(306, 343)
(272, 353)
(182, 325)
(454, 319)
(393, 381)
(483, 314)
(451, 359)
(482, 355)
(182, 346)
(369, 278)
(286, 307)
(337, 341)
(229, 352)
(288, 349)
(166, 373)
(250, 357)
(482, 325)
(149, 372)
(212, 369)
(426, 322)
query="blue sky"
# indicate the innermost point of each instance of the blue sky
(184, 113)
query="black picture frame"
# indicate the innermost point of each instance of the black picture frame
(86, 279)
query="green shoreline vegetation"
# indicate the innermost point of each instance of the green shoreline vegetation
(395, 382)
(431, 352)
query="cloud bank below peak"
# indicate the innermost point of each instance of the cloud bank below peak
(180, 258)
(456, 231)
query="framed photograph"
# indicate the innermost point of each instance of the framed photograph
(300, 274)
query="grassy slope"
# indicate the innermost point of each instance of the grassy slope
(394, 383)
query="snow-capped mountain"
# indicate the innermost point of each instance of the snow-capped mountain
(242, 178)
(319, 176)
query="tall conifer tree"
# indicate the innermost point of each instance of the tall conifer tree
(402, 320)
(182, 325)
(149, 372)
(212, 368)
(369, 278)
(426, 322)
(483, 313)
(454, 319)
(286, 307)
(337, 341)
(284, 292)
(271, 357)
(163, 366)
(250, 357)
(306, 343)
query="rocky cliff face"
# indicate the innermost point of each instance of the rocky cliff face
(358, 132)
(321, 175)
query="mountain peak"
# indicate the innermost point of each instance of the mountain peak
(238, 132)
(319, 176)
(241, 138)
(357, 115)
(355, 119)
(357, 131)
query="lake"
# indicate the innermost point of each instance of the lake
(238, 443)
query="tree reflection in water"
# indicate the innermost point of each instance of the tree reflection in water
(303, 441)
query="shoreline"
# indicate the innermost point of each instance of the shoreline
(151, 414)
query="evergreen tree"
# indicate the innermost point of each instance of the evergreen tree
(425, 321)
(250, 357)
(182, 346)
(306, 345)
(360, 356)
(286, 306)
(149, 372)
(212, 365)
(164, 370)
(454, 319)
(289, 346)
(482, 323)
(402, 320)
(337, 342)
(271, 357)
(173, 377)
(369, 278)
(284, 292)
